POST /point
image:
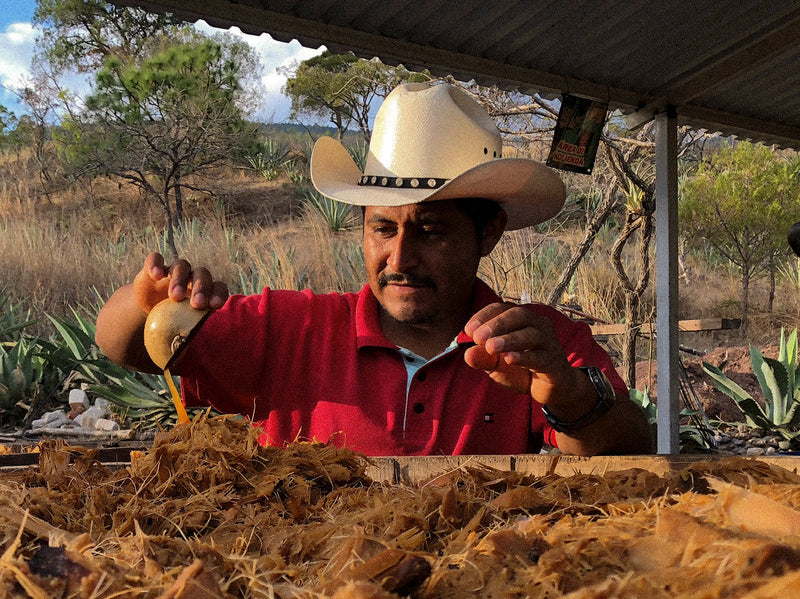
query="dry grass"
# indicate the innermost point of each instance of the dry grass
(75, 248)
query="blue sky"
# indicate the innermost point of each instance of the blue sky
(16, 44)
(17, 38)
(17, 10)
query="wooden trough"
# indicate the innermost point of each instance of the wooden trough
(207, 507)
(411, 470)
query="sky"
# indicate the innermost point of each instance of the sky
(17, 38)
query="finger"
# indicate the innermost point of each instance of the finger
(542, 361)
(478, 358)
(529, 342)
(512, 377)
(201, 288)
(154, 266)
(486, 315)
(514, 329)
(219, 294)
(180, 273)
(150, 285)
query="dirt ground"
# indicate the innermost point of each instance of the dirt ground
(733, 361)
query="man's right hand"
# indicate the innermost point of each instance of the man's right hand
(156, 282)
(120, 323)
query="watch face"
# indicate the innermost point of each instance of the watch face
(600, 381)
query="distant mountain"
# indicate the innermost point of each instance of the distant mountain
(292, 128)
(302, 133)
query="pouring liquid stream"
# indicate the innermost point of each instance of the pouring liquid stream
(183, 417)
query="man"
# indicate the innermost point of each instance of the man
(426, 359)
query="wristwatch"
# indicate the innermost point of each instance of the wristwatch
(605, 400)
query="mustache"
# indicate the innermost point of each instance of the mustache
(406, 279)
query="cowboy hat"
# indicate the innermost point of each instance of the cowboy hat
(435, 142)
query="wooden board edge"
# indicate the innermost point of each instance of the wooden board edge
(414, 470)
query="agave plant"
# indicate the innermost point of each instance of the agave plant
(13, 319)
(359, 152)
(144, 398)
(22, 371)
(337, 215)
(780, 385)
(270, 159)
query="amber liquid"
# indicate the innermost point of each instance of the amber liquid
(183, 417)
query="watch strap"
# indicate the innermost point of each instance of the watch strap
(605, 400)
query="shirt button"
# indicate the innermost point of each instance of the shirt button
(421, 376)
(419, 408)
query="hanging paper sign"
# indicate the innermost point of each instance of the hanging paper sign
(577, 134)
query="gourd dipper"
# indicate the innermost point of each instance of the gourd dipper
(168, 330)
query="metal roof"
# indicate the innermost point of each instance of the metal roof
(725, 65)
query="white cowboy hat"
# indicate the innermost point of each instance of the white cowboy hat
(435, 142)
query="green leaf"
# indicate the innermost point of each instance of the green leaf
(5, 398)
(757, 363)
(78, 342)
(792, 417)
(126, 397)
(775, 378)
(749, 406)
(790, 359)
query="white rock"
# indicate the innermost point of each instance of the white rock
(55, 419)
(96, 412)
(49, 416)
(88, 419)
(104, 424)
(78, 397)
(102, 404)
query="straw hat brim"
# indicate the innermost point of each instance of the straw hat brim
(528, 191)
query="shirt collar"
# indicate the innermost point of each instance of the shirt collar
(368, 328)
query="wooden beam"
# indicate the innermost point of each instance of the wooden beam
(701, 324)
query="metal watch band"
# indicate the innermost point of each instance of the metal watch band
(605, 400)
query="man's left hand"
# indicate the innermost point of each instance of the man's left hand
(520, 350)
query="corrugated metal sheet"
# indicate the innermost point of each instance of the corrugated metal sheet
(725, 65)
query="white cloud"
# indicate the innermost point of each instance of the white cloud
(16, 50)
(274, 56)
(19, 33)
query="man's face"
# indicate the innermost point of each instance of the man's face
(421, 261)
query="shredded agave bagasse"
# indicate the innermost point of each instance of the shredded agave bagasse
(208, 513)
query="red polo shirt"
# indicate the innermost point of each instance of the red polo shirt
(309, 366)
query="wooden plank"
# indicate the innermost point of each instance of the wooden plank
(700, 324)
(410, 470)
(662, 464)
(415, 470)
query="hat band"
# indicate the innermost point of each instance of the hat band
(402, 182)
